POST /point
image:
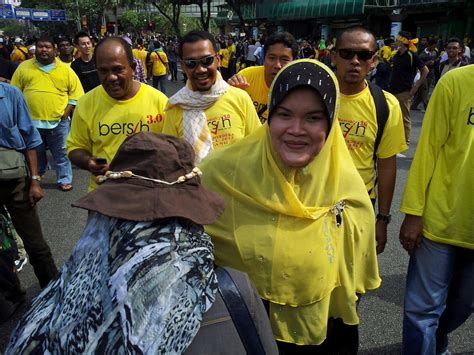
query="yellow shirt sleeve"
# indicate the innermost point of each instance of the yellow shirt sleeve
(393, 138)
(434, 133)
(79, 134)
(173, 120)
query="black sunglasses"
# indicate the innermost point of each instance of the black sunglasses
(364, 54)
(205, 61)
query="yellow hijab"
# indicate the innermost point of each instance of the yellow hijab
(304, 235)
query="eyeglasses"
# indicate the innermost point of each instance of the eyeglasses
(205, 61)
(348, 54)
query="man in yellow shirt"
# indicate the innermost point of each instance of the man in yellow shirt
(160, 67)
(224, 55)
(384, 68)
(280, 49)
(232, 55)
(65, 50)
(111, 112)
(354, 57)
(51, 90)
(437, 230)
(207, 112)
(19, 53)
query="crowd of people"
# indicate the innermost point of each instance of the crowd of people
(246, 211)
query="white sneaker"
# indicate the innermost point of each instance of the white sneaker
(20, 263)
(400, 155)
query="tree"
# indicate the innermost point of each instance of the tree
(236, 6)
(133, 21)
(205, 13)
(171, 10)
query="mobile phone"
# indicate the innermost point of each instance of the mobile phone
(100, 161)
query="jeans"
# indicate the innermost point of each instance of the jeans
(174, 70)
(439, 296)
(56, 140)
(422, 94)
(160, 81)
(14, 194)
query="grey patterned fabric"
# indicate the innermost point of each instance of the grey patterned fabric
(128, 288)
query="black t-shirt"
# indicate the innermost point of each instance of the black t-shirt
(404, 71)
(307, 52)
(87, 73)
(6, 68)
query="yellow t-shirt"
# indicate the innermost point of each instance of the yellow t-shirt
(66, 63)
(440, 183)
(159, 67)
(230, 118)
(232, 51)
(258, 90)
(385, 53)
(358, 122)
(47, 93)
(224, 53)
(100, 123)
(141, 53)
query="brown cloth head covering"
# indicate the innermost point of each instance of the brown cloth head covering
(156, 156)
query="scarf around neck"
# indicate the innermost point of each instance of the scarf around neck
(194, 103)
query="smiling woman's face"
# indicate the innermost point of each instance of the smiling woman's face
(299, 126)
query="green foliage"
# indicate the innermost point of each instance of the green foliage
(133, 21)
(14, 27)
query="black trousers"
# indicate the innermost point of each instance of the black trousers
(14, 195)
(341, 339)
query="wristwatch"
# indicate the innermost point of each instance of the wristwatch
(384, 217)
(36, 178)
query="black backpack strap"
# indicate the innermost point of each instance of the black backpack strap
(382, 112)
(239, 313)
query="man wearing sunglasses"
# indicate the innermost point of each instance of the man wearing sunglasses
(375, 159)
(207, 112)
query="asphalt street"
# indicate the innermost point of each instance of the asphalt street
(380, 310)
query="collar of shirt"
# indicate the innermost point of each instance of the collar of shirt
(46, 67)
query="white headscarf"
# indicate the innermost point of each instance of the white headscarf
(193, 103)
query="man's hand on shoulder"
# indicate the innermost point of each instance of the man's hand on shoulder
(411, 232)
(238, 81)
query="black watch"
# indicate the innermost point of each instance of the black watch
(384, 217)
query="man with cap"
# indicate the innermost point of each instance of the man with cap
(4, 53)
(374, 158)
(51, 91)
(208, 112)
(280, 49)
(111, 112)
(141, 277)
(19, 53)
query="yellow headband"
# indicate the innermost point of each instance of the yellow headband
(411, 42)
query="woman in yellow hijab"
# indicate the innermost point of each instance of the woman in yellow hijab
(299, 220)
